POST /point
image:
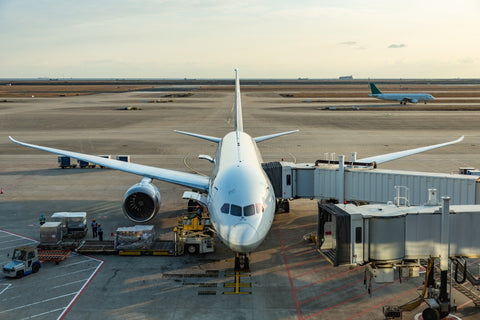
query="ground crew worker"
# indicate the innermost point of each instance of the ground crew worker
(199, 211)
(100, 232)
(94, 228)
(42, 219)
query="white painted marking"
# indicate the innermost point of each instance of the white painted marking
(19, 239)
(70, 273)
(34, 303)
(72, 264)
(8, 285)
(42, 314)
(83, 287)
(17, 235)
(69, 283)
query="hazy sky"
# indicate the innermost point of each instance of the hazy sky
(265, 39)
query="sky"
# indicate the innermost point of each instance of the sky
(264, 38)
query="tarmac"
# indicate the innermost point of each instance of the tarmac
(290, 280)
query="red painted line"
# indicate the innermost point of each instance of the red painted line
(289, 275)
(343, 302)
(312, 271)
(298, 244)
(332, 291)
(295, 238)
(67, 309)
(306, 262)
(329, 278)
(383, 303)
(304, 252)
(297, 228)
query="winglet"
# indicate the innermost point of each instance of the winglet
(238, 105)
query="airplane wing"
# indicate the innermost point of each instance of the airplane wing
(190, 180)
(395, 155)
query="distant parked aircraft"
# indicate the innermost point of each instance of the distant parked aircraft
(402, 97)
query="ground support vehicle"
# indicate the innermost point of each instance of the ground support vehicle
(84, 164)
(25, 260)
(66, 162)
(192, 235)
(53, 255)
(195, 233)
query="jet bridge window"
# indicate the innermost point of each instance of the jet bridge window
(225, 208)
(236, 210)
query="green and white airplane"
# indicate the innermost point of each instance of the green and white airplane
(403, 98)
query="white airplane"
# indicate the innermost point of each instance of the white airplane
(238, 194)
(402, 97)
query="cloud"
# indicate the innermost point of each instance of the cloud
(348, 43)
(397, 46)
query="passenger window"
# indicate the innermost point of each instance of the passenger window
(259, 208)
(225, 208)
(249, 210)
(236, 210)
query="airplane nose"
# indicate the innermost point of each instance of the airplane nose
(244, 238)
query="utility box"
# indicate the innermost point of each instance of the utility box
(381, 275)
(74, 224)
(51, 233)
(124, 158)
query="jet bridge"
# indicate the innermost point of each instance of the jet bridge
(391, 234)
(339, 181)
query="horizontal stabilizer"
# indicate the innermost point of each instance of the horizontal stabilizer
(396, 155)
(270, 136)
(201, 136)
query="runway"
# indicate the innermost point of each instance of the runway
(289, 279)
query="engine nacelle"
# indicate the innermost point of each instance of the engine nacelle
(414, 100)
(142, 201)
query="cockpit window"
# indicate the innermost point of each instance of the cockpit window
(259, 208)
(236, 210)
(225, 208)
(249, 210)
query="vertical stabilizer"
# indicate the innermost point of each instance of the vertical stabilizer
(374, 88)
(238, 105)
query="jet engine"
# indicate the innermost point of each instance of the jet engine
(414, 100)
(142, 201)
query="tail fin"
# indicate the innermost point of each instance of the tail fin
(374, 88)
(238, 105)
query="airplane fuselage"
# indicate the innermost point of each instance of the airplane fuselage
(412, 97)
(241, 199)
